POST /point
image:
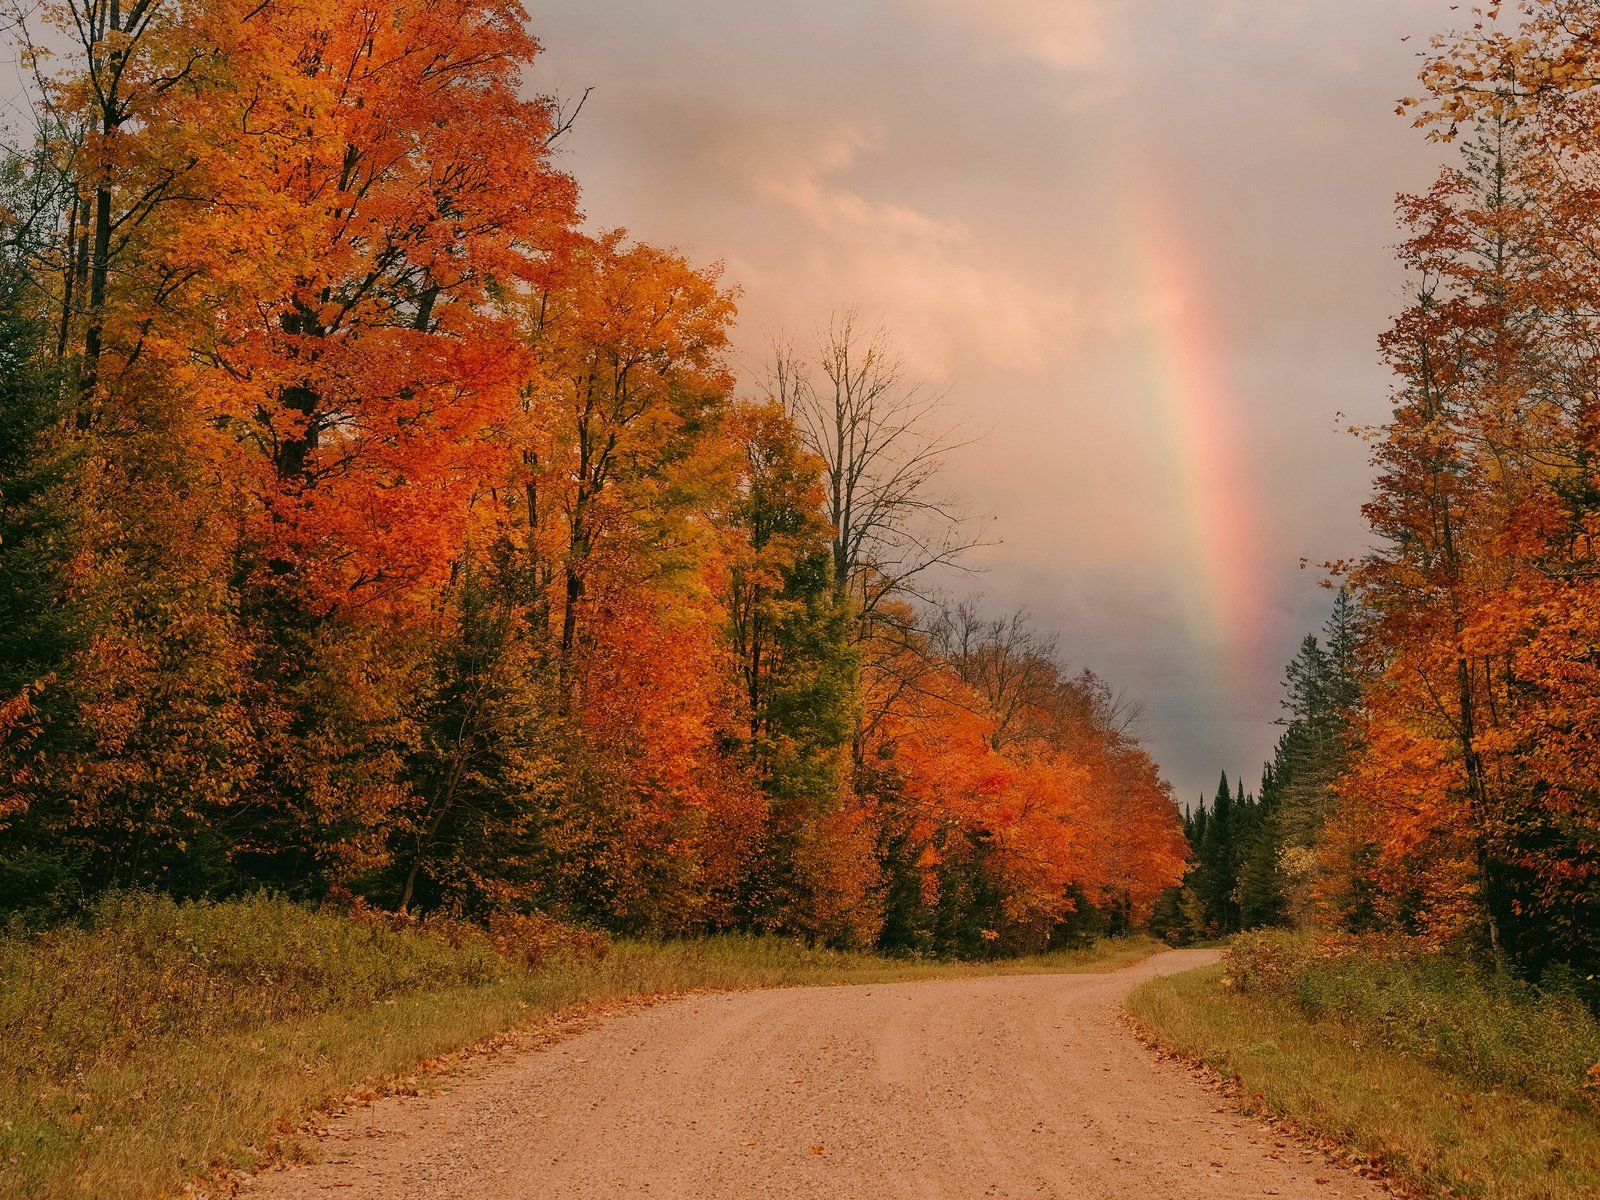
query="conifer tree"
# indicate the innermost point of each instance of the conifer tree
(1321, 690)
(38, 631)
(1261, 899)
(1218, 874)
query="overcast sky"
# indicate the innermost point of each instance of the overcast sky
(1145, 245)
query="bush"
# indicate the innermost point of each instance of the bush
(142, 969)
(531, 940)
(1481, 1024)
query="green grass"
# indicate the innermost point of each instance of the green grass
(1460, 1081)
(160, 1042)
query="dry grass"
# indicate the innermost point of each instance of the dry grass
(1457, 1082)
(144, 1050)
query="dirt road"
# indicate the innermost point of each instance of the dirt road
(1021, 1086)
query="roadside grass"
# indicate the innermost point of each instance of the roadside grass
(1459, 1082)
(157, 1044)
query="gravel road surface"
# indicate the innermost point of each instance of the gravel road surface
(1019, 1086)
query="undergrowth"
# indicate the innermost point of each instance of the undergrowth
(1458, 1079)
(1484, 1025)
(155, 1044)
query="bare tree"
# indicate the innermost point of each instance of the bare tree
(1102, 707)
(1012, 666)
(883, 446)
(1021, 680)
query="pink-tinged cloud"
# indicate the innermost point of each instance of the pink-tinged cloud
(922, 273)
(1067, 34)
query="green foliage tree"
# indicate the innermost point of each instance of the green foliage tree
(1168, 921)
(39, 528)
(1218, 870)
(791, 633)
(1261, 898)
(487, 763)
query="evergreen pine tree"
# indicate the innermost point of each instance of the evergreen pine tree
(1168, 920)
(1218, 875)
(1322, 687)
(39, 630)
(1261, 898)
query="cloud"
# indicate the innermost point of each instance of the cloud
(801, 183)
(959, 170)
(922, 273)
(1067, 34)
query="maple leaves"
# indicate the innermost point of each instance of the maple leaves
(1472, 810)
(632, 365)
(364, 359)
(1010, 778)
(412, 540)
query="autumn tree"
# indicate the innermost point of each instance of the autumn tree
(634, 350)
(1015, 807)
(145, 717)
(275, 279)
(371, 355)
(1469, 812)
(791, 636)
(368, 528)
(1006, 661)
(622, 509)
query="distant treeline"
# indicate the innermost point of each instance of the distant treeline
(1256, 858)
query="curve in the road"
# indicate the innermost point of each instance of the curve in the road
(1010, 1086)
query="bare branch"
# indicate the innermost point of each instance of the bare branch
(883, 449)
(562, 120)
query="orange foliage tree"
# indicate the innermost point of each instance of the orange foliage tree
(1011, 797)
(1474, 811)
(394, 535)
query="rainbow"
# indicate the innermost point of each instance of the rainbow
(1216, 515)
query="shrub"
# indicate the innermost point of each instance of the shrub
(1478, 1022)
(142, 969)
